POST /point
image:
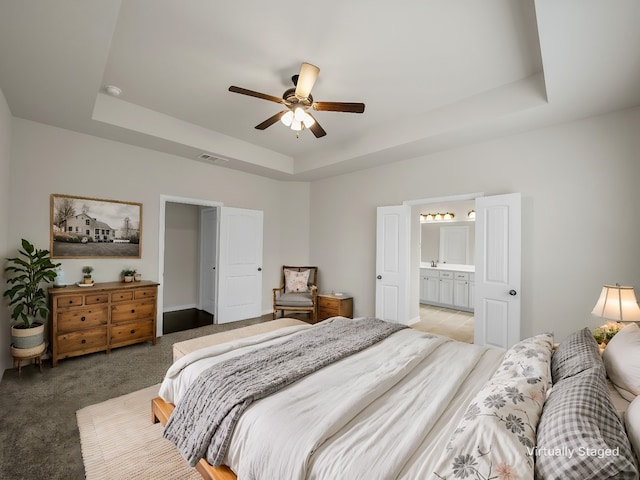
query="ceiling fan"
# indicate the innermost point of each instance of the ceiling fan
(298, 101)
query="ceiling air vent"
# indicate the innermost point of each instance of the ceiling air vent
(211, 158)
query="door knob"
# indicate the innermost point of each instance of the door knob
(259, 269)
(379, 277)
(513, 293)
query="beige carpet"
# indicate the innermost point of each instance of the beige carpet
(119, 441)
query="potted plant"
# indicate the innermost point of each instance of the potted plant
(137, 276)
(27, 298)
(127, 275)
(86, 278)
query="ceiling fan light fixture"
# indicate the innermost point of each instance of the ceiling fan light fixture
(287, 118)
(296, 125)
(308, 120)
(299, 114)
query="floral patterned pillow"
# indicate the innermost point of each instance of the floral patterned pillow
(496, 437)
(296, 281)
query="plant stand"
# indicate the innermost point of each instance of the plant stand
(34, 353)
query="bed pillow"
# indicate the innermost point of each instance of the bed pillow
(295, 281)
(496, 436)
(622, 361)
(578, 352)
(580, 434)
(632, 422)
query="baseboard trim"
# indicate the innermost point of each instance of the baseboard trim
(179, 307)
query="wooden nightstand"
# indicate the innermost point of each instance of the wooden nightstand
(334, 306)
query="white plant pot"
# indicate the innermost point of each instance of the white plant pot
(27, 337)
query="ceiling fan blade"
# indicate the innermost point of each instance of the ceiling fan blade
(306, 80)
(338, 107)
(316, 129)
(271, 120)
(251, 93)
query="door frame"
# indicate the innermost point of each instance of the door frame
(164, 199)
(413, 292)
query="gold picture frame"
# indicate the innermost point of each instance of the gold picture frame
(85, 227)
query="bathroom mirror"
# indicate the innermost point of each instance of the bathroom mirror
(446, 243)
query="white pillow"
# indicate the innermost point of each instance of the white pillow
(622, 360)
(296, 281)
(632, 424)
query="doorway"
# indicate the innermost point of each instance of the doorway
(447, 240)
(173, 257)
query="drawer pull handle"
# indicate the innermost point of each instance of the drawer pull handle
(84, 341)
(70, 301)
(133, 310)
(82, 319)
(133, 331)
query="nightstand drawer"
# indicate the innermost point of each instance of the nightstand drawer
(333, 306)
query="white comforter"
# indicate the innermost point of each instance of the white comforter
(386, 412)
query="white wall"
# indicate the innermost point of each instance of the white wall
(5, 204)
(580, 229)
(181, 256)
(47, 160)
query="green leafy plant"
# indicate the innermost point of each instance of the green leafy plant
(28, 272)
(87, 271)
(606, 332)
(128, 272)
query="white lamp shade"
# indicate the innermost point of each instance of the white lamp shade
(617, 303)
(287, 118)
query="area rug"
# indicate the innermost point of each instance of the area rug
(119, 441)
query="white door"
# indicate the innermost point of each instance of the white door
(239, 265)
(208, 257)
(497, 275)
(392, 263)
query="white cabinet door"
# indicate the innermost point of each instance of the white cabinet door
(433, 289)
(423, 288)
(446, 291)
(461, 293)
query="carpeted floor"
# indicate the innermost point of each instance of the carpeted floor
(38, 430)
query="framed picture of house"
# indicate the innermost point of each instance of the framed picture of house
(84, 227)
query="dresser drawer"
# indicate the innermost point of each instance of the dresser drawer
(145, 293)
(132, 311)
(121, 296)
(70, 301)
(130, 332)
(82, 318)
(96, 299)
(90, 339)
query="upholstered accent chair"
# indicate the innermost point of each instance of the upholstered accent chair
(298, 292)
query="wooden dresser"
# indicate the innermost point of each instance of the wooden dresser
(334, 306)
(101, 317)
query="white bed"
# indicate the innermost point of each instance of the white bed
(391, 411)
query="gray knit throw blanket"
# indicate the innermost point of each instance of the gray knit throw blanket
(202, 423)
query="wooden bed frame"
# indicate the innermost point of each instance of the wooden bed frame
(160, 412)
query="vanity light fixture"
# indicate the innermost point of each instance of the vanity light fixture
(435, 217)
(472, 214)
